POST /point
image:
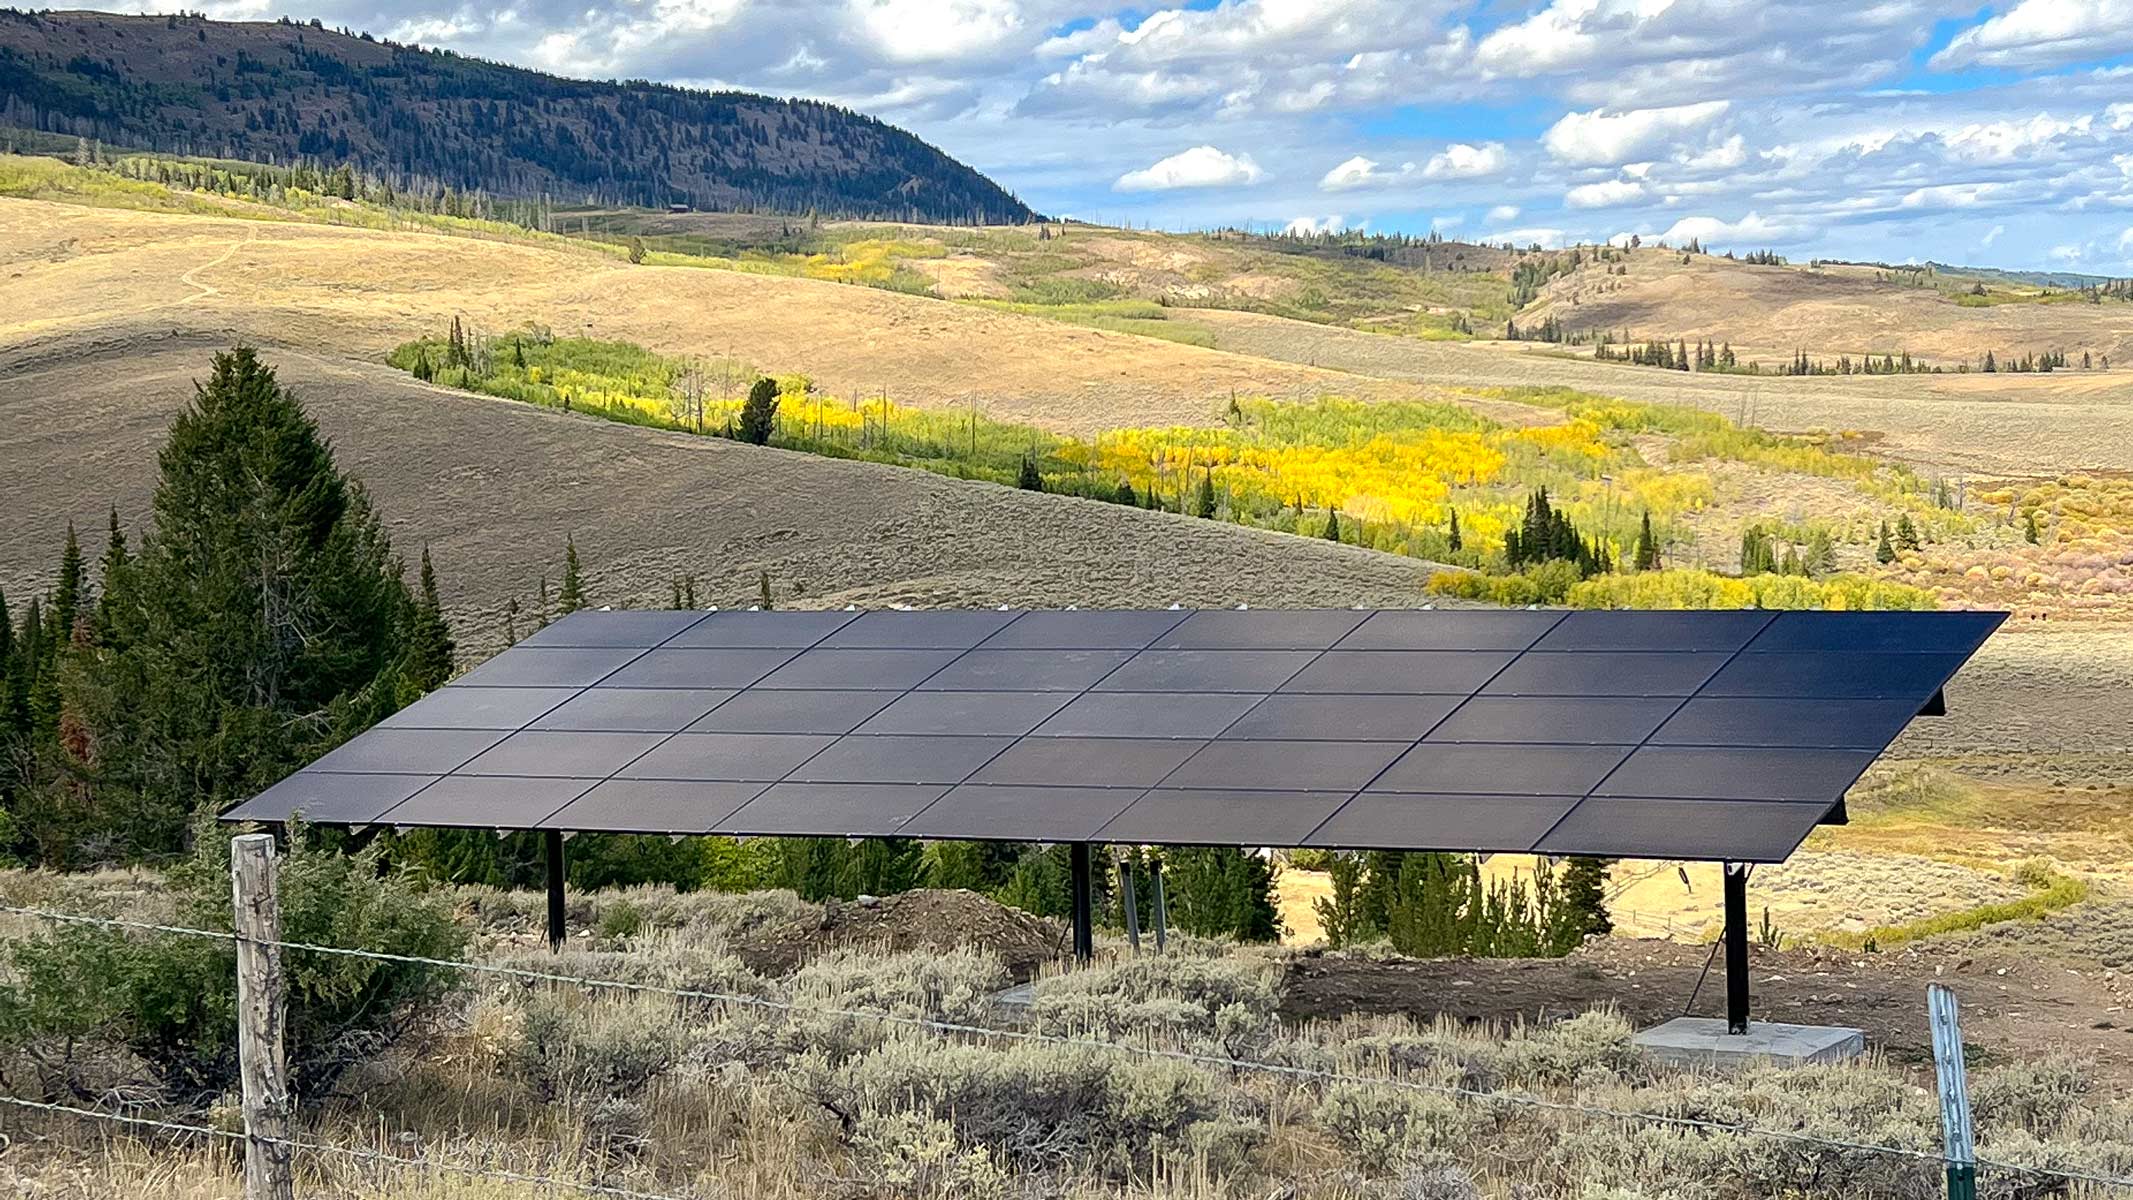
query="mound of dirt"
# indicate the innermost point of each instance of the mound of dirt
(922, 920)
(2017, 1003)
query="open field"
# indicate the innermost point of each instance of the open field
(1987, 424)
(1769, 312)
(645, 506)
(68, 270)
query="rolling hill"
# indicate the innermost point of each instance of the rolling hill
(277, 92)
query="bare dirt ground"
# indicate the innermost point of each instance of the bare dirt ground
(2017, 1003)
(1993, 424)
(66, 270)
(1774, 310)
(492, 487)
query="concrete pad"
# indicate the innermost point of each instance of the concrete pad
(1704, 1042)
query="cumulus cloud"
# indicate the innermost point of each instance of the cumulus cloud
(2042, 33)
(1503, 213)
(1313, 226)
(1604, 138)
(1462, 161)
(1612, 193)
(1751, 229)
(1361, 172)
(1199, 167)
(1546, 239)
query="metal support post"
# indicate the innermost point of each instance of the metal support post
(1129, 904)
(1954, 1081)
(552, 846)
(1162, 906)
(1084, 907)
(1736, 947)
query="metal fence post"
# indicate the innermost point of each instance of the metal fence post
(1162, 906)
(262, 1005)
(1129, 904)
(1961, 1152)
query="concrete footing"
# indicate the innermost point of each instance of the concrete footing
(1704, 1042)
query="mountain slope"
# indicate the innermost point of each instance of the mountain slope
(276, 92)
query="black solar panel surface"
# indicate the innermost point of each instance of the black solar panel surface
(1709, 735)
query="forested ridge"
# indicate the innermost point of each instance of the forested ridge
(280, 92)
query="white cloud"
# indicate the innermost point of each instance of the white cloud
(1503, 213)
(1462, 161)
(915, 31)
(1361, 172)
(1612, 193)
(1749, 229)
(1992, 237)
(1199, 167)
(1547, 239)
(1312, 226)
(1604, 138)
(2125, 240)
(2042, 33)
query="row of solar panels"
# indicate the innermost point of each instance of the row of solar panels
(1705, 720)
(1278, 629)
(1706, 735)
(1649, 827)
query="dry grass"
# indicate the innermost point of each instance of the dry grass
(712, 1101)
(493, 486)
(1770, 312)
(72, 270)
(1989, 424)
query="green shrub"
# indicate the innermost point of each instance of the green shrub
(171, 1000)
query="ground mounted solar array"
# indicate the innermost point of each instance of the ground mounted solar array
(1706, 735)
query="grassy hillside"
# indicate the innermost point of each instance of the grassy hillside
(277, 92)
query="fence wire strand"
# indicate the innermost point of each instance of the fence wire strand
(374, 1157)
(937, 1025)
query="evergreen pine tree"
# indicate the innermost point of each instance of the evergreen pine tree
(2029, 527)
(258, 625)
(114, 564)
(763, 586)
(1333, 525)
(429, 649)
(1125, 495)
(1906, 533)
(1580, 905)
(1884, 553)
(759, 412)
(1203, 506)
(1452, 539)
(1341, 912)
(571, 596)
(1647, 551)
(1027, 477)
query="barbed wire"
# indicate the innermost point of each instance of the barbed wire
(376, 1157)
(937, 1025)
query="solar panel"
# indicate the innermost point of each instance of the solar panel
(1387, 821)
(1656, 734)
(479, 708)
(1009, 713)
(832, 809)
(630, 710)
(1150, 714)
(1227, 816)
(561, 752)
(654, 806)
(730, 756)
(1006, 812)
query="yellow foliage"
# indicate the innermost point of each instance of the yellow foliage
(1703, 589)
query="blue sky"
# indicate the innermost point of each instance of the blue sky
(1894, 130)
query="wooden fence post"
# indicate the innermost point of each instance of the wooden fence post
(262, 1004)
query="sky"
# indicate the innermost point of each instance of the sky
(1879, 130)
